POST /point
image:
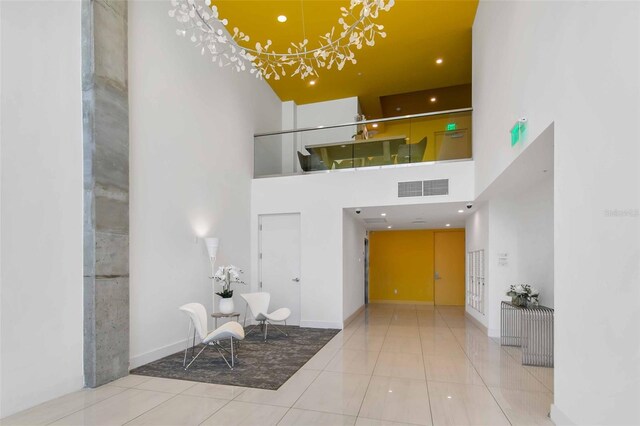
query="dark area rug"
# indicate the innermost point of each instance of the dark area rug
(260, 364)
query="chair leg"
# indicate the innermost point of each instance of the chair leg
(253, 329)
(266, 330)
(221, 348)
(279, 329)
(193, 345)
(232, 356)
(196, 357)
(186, 345)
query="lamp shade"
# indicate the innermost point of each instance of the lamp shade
(212, 245)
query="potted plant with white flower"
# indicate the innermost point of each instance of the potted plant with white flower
(227, 275)
(523, 295)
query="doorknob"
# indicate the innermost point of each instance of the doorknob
(297, 280)
(437, 276)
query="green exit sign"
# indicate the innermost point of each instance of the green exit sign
(451, 126)
(518, 130)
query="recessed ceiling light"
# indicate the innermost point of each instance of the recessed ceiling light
(383, 214)
(398, 109)
(312, 83)
(439, 61)
(359, 74)
(448, 396)
(433, 99)
(389, 227)
(460, 211)
(447, 225)
(375, 126)
(282, 18)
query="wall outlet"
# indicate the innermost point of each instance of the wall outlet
(395, 291)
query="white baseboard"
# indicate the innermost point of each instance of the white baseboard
(476, 322)
(156, 354)
(400, 302)
(559, 418)
(353, 316)
(321, 324)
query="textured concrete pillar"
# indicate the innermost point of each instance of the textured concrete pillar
(106, 190)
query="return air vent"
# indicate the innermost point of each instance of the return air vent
(435, 187)
(375, 220)
(423, 188)
(410, 189)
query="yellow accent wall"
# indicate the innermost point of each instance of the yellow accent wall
(401, 260)
(405, 261)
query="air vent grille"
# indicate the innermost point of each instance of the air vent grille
(410, 189)
(435, 187)
(423, 188)
(375, 220)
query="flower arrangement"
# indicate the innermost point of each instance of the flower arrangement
(226, 275)
(523, 295)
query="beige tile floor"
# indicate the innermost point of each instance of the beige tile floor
(393, 365)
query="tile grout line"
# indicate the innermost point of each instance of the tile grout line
(83, 408)
(152, 408)
(482, 378)
(425, 373)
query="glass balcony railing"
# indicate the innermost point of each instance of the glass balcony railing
(388, 142)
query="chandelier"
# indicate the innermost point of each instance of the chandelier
(202, 22)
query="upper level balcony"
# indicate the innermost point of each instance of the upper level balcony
(388, 142)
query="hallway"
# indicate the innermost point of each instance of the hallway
(394, 364)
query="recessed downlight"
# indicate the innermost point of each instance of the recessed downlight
(398, 109)
(439, 61)
(282, 18)
(312, 83)
(375, 126)
(389, 227)
(447, 225)
(433, 99)
(460, 211)
(383, 214)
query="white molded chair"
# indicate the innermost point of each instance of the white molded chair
(258, 303)
(230, 330)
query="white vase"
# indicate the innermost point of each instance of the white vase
(226, 305)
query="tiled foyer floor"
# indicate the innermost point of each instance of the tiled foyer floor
(395, 364)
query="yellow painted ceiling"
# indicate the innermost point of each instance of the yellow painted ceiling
(418, 32)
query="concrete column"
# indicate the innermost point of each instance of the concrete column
(106, 190)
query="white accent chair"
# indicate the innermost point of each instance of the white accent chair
(198, 318)
(258, 303)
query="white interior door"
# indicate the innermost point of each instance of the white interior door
(279, 259)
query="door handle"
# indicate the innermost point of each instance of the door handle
(436, 276)
(296, 280)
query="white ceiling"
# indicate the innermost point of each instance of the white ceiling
(431, 216)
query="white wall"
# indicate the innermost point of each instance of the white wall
(353, 235)
(534, 231)
(191, 134)
(320, 199)
(337, 111)
(575, 64)
(41, 212)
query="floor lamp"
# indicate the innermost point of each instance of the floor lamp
(212, 248)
